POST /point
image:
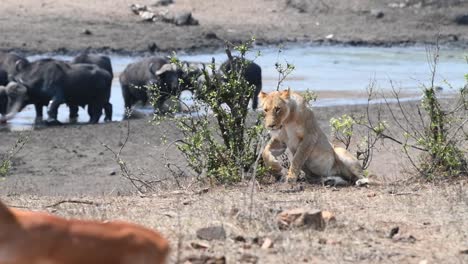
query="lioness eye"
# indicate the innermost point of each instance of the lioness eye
(277, 109)
(266, 110)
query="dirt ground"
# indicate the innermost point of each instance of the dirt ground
(59, 25)
(72, 162)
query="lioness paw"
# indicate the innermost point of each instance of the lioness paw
(291, 177)
(362, 182)
(335, 181)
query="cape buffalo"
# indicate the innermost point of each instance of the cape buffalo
(3, 77)
(102, 62)
(8, 62)
(154, 70)
(57, 82)
(252, 74)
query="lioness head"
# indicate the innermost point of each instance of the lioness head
(275, 108)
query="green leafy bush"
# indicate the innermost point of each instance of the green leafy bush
(220, 141)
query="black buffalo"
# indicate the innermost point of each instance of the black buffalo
(58, 82)
(3, 77)
(102, 62)
(8, 62)
(154, 70)
(252, 74)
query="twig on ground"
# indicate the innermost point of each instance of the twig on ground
(254, 174)
(125, 171)
(73, 201)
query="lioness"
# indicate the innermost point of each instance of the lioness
(292, 124)
(28, 237)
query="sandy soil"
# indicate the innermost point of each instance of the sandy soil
(72, 162)
(58, 25)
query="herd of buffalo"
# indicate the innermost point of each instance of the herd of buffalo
(87, 81)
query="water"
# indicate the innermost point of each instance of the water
(340, 73)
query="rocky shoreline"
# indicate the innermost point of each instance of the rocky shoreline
(32, 27)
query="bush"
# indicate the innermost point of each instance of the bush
(436, 130)
(6, 160)
(219, 140)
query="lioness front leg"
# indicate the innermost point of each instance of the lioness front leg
(273, 149)
(299, 158)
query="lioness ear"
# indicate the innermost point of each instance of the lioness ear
(262, 95)
(285, 94)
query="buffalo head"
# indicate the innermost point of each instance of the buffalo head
(13, 98)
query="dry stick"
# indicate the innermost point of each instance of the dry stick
(411, 159)
(123, 166)
(254, 174)
(72, 201)
(168, 164)
(403, 111)
(421, 116)
(399, 125)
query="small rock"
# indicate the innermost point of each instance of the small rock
(147, 15)
(394, 231)
(239, 238)
(136, 8)
(211, 35)
(301, 217)
(371, 194)
(246, 246)
(377, 13)
(204, 260)
(199, 245)
(403, 238)
(152, 47)
(322, 241)
(267, 243)
(112, 173)
(461, 19)
(258, 240)
(86, 32)
(234, 212)
(397, 5)
(212, 233)
(248, 258)
(184, 19)
(163, 2)
(330, 36)
(328, 217)
(202, 191)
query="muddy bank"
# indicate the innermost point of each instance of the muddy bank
(110, 26)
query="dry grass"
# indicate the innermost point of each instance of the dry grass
(432, 220)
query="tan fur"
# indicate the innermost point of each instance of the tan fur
(291, 122)
(28, 237)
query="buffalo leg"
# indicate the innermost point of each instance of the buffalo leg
(128, 101)
(39, 115)
(108, 112)
(53, 109)
(258, 88)
(254, 102)
(73, 116)
(95, 112)
(160, 103)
